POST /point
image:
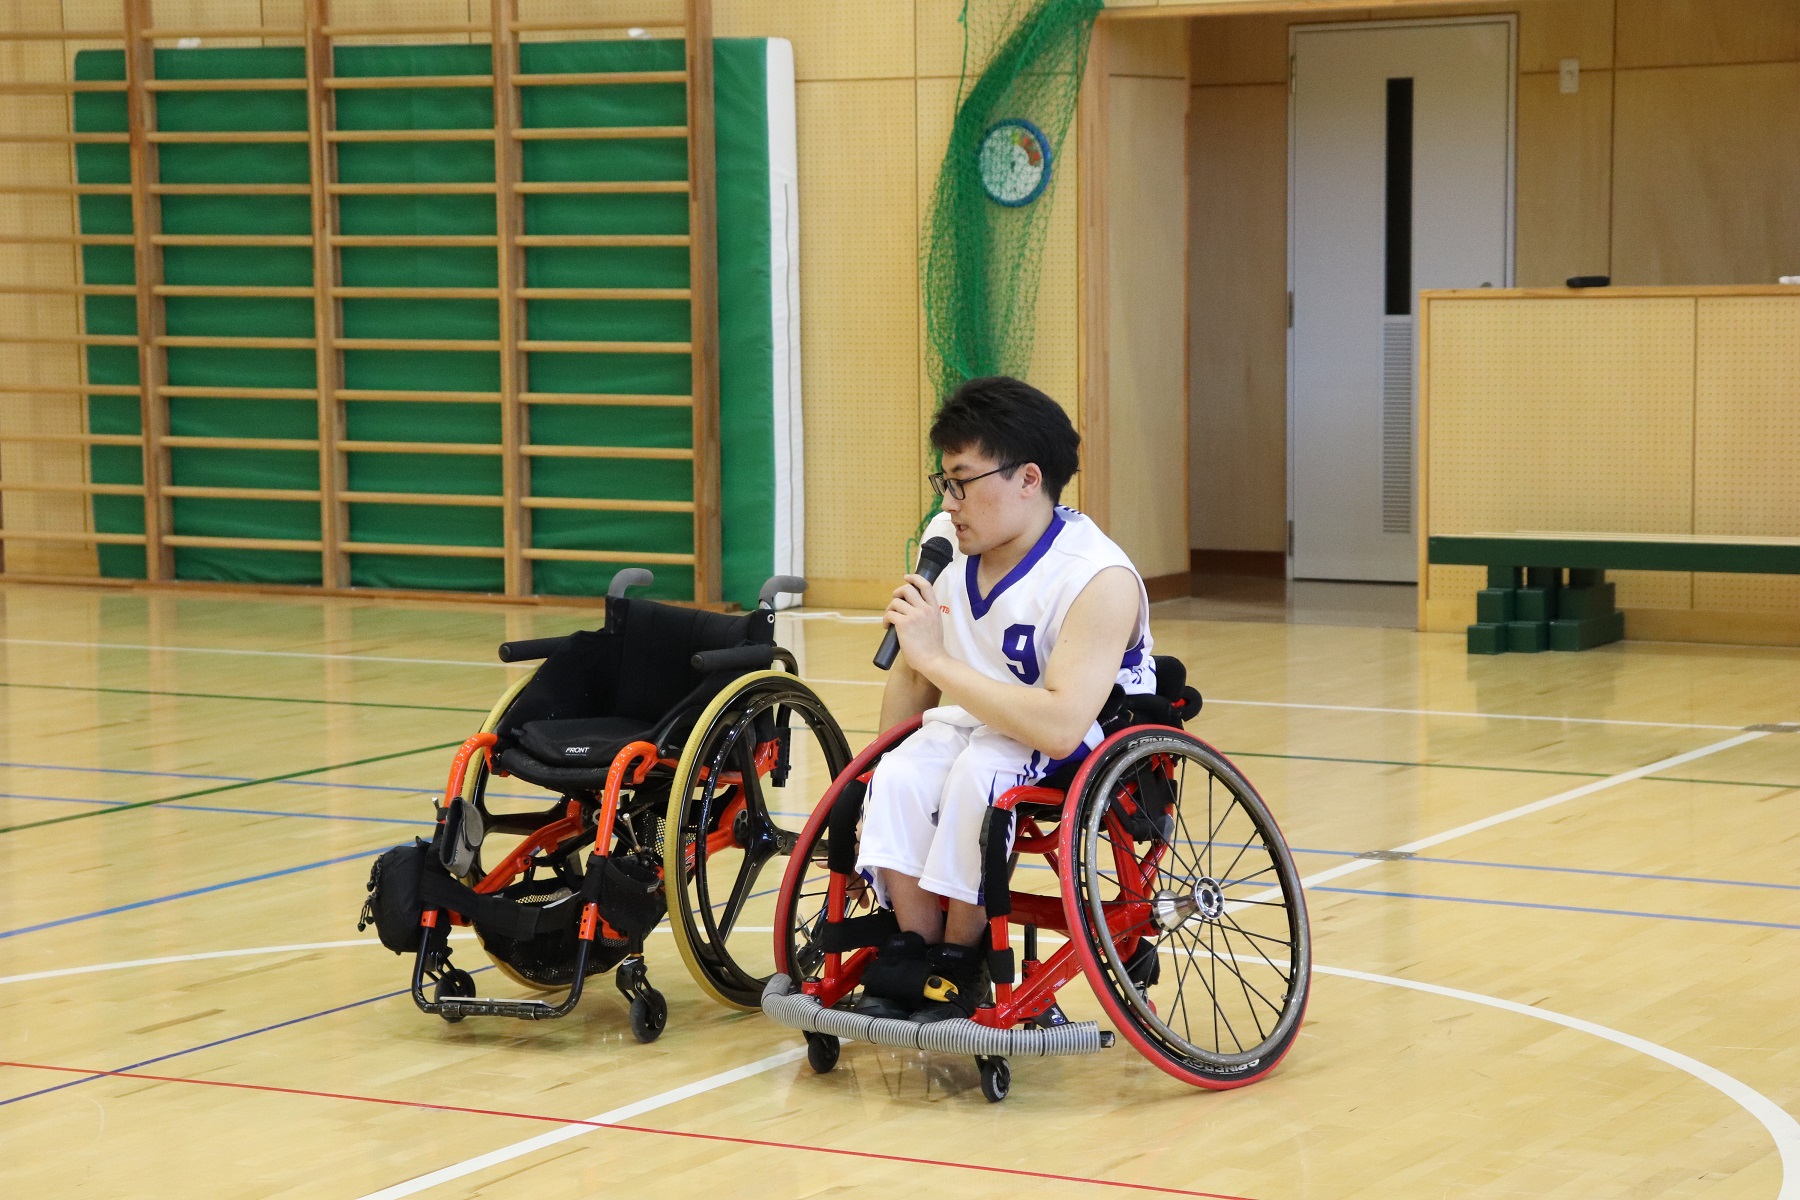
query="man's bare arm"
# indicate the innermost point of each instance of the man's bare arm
(1054, 718)
(907, 694)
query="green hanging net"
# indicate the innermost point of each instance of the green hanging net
(984, 243)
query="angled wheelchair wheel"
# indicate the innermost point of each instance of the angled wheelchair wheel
(750, 775)
(1185, 907)
(805, 902)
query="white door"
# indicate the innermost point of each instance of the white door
(1400, 178)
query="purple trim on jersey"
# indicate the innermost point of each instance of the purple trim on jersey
(1134, 657)
(979, 604)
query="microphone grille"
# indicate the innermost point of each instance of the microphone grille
(937, 550)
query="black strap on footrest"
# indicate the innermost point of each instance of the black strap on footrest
(857, 932)
(508, 918)
(996, 869)
(840, 827)
(1001, 965)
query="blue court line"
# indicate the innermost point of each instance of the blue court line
(1452, 862)
(1473, 862)
(1575, 908)
(214, 808)
(236, 1037)
(199, 891)
(316, 783)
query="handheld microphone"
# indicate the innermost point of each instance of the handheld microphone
(934, 556)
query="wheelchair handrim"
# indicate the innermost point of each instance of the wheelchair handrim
(687, 939)
(1212, 1068)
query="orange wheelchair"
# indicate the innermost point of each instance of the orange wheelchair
(667, 750)
(1177, 898)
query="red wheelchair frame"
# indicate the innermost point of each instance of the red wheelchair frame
(1130, 920)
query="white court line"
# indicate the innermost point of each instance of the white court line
(1523, 810)
(430, 662)
(611, 1116)
(1781, 1126)
(250, 950)
(465, 662)
(1403, 712)
(181, 958)
(1429, 712)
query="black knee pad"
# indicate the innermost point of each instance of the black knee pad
(900, 969)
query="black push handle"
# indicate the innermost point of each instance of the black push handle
(737, 658)
(630, 577)
(792, 585)
(531, 649)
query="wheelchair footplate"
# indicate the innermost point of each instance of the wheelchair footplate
(789, 1006)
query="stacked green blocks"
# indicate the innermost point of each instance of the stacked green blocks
(1529, 610)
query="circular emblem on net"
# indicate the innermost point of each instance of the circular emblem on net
(1014, 160)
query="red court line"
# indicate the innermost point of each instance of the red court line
(705, 1137)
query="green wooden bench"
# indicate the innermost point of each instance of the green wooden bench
(1529, 606)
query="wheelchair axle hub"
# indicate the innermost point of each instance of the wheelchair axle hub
(1172, 910)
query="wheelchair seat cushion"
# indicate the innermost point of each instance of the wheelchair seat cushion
(568, 780)
(580, 741)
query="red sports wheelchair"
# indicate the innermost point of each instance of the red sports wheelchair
(1179, 901)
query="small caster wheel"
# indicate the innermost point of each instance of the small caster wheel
(452, 984)
(996, 1077)
(822, 1051)
(649, 1013)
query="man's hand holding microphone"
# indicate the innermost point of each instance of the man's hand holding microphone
(914, 609)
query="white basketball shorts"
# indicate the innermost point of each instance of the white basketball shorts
(929, 795)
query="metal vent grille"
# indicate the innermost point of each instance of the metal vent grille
(1397, 424)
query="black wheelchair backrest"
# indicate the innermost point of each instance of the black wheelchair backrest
(657, 643)
(638, 665)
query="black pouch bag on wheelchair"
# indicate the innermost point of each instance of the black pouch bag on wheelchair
(629, 891)
(394, 904)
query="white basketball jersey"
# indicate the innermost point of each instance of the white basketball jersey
(1010, 632)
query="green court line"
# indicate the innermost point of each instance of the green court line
(226, 787)
(1392, 762)
(65, 687)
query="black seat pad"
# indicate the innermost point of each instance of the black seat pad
(567, 780)
(580, 741)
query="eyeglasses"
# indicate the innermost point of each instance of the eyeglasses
(948, 485)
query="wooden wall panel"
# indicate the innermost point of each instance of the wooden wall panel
(937, 108)
(1707, 175)
(1563, 190)
(1147, 369)
(939, 30)
(845, 39)
(1747, 440)
(1240, 50)
(859, 325)
(1561, 415)
(1552, 30)
(1665, 33)
(1238, 318)
(1053, 366)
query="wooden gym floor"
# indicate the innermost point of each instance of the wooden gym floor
(1581, 984)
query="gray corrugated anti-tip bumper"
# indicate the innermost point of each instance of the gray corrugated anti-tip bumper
(958, 1035)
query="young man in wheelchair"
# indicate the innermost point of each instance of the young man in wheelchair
(1010, 656)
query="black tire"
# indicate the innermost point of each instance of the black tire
(996, 1077)
(1224, 907)
(822, 1052)
(649, 1015)
(752, 823)
(454, 983)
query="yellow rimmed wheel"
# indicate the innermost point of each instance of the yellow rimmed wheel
(750, 775)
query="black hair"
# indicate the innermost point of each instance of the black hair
(1012, 423)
